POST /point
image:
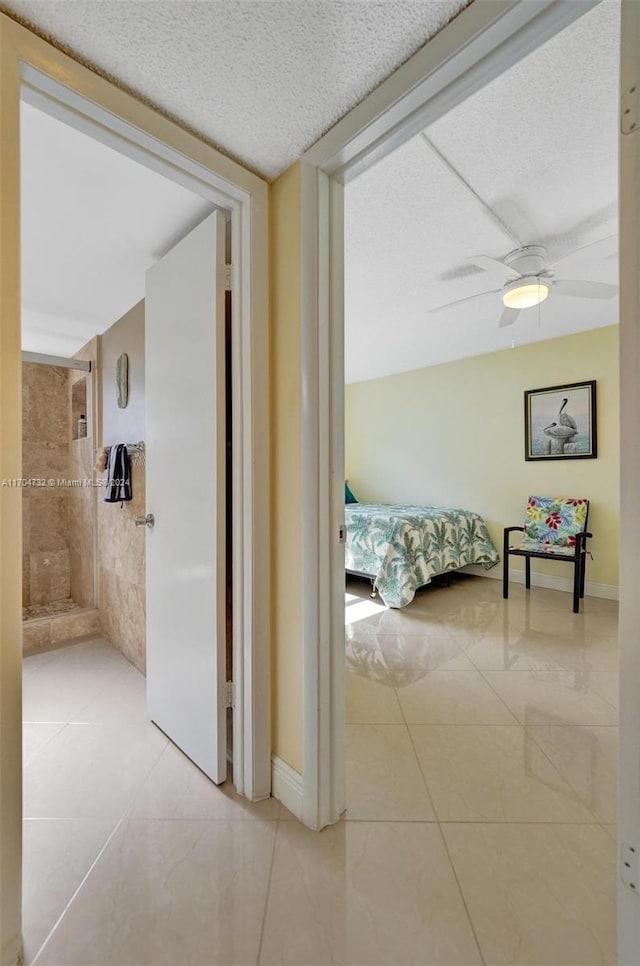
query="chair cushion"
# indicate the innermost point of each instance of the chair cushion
(552, 523)
(539, 547)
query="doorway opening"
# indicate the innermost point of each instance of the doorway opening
(31, 71)
(436, 369)
(386, 442)
(92, 754)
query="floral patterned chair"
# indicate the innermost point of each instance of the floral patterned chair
(555, 528)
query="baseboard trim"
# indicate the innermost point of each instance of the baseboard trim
(550, 581)
(287, 786)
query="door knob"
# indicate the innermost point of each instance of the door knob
(147, 521)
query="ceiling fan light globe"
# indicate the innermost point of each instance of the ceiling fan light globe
(523, 293)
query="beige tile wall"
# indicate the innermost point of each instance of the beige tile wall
(121, 572)
(120, 545)
(81, 521)
(75, 544)
(45, 449)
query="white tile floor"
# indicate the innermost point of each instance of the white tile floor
(481, 786)
(506, 713)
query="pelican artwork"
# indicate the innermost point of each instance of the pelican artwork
(560, 435)
(560, 432)
(565, 419)
(561, 421)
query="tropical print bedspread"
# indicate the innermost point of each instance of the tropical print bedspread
(403, 547)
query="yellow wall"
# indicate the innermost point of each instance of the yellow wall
(453, 434)
(286, 558)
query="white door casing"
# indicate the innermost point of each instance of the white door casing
(629, 207)
(481, 43)
(185, 492)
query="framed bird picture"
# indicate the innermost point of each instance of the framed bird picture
(560, 422)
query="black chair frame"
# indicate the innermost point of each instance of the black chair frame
(578, 559)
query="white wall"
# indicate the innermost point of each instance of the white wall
(125, 335)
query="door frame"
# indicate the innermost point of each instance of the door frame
(628, 759)
(480, 44)
(51, 80)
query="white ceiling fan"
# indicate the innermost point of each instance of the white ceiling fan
(527, 279)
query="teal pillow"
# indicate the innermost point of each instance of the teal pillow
(348, 495)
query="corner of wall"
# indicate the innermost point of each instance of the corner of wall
(286, 507)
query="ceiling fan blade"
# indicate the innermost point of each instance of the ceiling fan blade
(609, 247)
(469, 298)
(508, 317)
(493, 265)
(585, 290)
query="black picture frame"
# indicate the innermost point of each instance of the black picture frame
(559, 430)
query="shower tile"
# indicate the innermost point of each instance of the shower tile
(122, 545)
(69, 627)
(50, 576)
(42, 460)
(81, 457)
(45, 404)
(26, 579)
(35, 636)
(26, 520)
(123, 614)
(81, 571)
(48, 524)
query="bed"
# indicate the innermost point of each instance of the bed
(400, 548)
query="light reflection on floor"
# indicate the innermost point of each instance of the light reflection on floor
(497, 722)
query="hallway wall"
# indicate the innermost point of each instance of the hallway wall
(286, 491)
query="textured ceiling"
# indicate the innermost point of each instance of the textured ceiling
(261, 79)
(539, 146)
(93, 222)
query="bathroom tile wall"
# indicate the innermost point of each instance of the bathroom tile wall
(45, 442)
(82, 499)
(75, 545)
(121, 572)
(121, 545)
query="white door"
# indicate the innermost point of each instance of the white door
(629, 771)
(185, 492)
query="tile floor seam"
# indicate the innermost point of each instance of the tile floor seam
(605, 698)
(129, 810)
(40, 750)
(527, 732)
(541, 827)
(268, 891)
(500, 698)
(424, 781)
(462, 895)
(567, 724)
(534, 824)
(590, 821)
(76, 891)
(531, 734)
